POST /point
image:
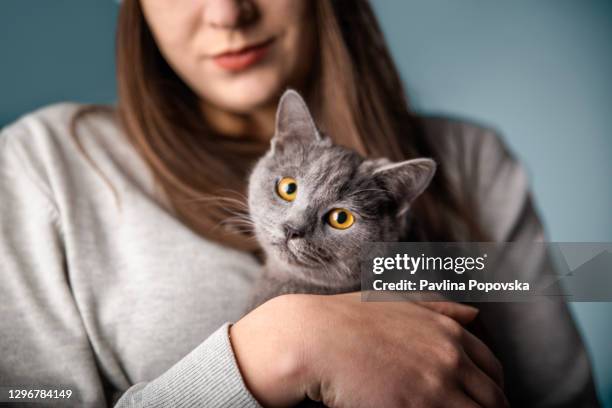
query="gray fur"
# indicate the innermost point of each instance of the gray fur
(321, 259)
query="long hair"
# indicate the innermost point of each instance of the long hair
(356, 96)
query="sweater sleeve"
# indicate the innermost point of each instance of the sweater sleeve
(43, 341)
(544, 359)
(43, 344)
(207, 377)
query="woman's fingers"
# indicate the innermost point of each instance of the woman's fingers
(459, 400)
(480, 371)
(480, 354)
(449, 366)
(481, 388)
(463, 314)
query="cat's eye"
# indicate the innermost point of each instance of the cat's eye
(340, 218)
(287, 188)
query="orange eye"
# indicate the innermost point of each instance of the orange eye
(340, 218)
(287, 188)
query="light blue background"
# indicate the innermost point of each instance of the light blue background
(540, 71)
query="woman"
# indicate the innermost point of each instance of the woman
(119, 283)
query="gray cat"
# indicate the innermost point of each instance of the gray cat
(314, 206)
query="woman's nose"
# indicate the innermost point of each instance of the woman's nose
(229, 14)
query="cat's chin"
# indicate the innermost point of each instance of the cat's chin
(288, 257)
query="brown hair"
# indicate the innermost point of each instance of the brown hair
(356, 95)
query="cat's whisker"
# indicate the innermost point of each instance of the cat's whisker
(237, 222)
(240, 195)
(234, 225)
(239, 215)
(228, 202)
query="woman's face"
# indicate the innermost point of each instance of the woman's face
(237, 55)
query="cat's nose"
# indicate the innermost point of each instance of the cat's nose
(292, 232)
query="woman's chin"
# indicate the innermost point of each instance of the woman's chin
(245, 93)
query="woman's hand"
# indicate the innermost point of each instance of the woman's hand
(349, 353)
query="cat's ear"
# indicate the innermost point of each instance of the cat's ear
(405, 180)
(294, 123)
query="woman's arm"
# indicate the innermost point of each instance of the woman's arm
(44, 343)
(345, 352)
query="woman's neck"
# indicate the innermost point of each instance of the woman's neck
(257, 125)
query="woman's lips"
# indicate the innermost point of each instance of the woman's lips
(242, 59)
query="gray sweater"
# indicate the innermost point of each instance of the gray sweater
(110, 296)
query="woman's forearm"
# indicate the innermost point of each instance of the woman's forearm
(269, 347)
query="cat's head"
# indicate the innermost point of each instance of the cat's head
(315, 204)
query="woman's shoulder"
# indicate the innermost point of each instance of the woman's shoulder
(483, 170)
(59, 144)
(466, 140)
(54, 124)
(46, 139)
(471, 150)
